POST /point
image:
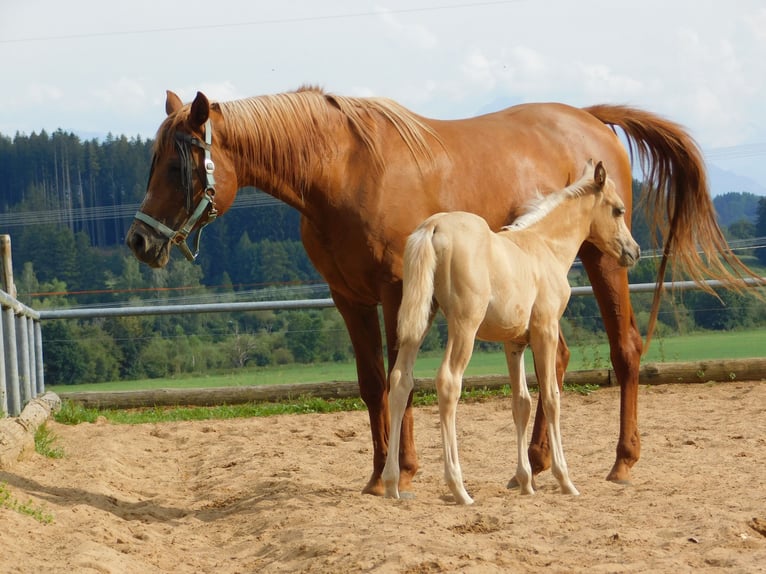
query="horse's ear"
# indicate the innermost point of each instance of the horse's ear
(599, 174)
(200, 110)
(173, 103)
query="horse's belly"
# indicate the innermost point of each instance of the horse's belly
(510, 323)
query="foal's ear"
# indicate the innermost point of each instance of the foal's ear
(173, 103)
(599, 174)
(200, 110)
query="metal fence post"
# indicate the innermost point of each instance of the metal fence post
(3, 379)
(22, 348)
(11, 365)
(39, 366)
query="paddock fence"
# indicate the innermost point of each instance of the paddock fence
(21, 360)
(652, 373)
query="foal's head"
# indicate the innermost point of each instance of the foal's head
(609, 231)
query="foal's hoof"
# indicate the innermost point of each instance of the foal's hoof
(514, 483)
(400, 495)
(570, 489)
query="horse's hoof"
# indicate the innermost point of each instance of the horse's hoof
(620, 473)
(407, 495)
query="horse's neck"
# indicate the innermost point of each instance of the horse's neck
(291, 169)
(561, 232)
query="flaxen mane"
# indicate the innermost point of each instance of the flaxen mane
(545, 204)
(288, 132)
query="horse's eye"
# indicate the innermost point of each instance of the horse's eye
(618, 211)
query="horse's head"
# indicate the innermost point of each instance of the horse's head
(190, 183)
(609, 231)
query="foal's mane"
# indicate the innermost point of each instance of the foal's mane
(542, 206)
(291, 132)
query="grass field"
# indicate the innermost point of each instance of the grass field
(694, 347)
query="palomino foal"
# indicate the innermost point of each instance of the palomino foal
(509, 286)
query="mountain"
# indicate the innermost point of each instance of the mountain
(722, 181)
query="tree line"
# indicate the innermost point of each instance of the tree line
(86, 193)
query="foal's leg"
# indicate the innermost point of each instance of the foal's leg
(391, 297)
(539, 446)
(449, 381)
(401, 382)
(543, 342)
(522, 407)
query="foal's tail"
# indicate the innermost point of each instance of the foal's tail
(418, 286)
(677, 201)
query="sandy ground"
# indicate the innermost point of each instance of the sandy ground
(282, 494)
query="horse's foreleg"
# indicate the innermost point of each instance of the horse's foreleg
(543, 342)
(401, 383)
(521, 406)
(364, 330)
(539, 446)
(610, 286)
(449, 381)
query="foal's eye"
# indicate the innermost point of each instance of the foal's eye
(618, 211)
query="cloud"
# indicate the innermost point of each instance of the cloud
(123, 93)
(602, 83)
(41, 94)
(479, 70)
(413, 34)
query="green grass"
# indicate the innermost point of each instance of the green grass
(29, 508)
(45, 443)
(693, 347)
(71, 413)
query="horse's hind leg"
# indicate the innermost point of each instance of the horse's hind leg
(521, 404)
(401, 383)
(449, 381)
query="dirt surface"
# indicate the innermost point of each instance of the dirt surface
(282, 494)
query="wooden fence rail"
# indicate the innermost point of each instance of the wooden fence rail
(728, 370)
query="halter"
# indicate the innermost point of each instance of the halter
(183, 143)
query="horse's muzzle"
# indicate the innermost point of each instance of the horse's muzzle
(630, 255)
(147, 247)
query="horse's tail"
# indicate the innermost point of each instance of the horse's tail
(418, 285)
(677, 201)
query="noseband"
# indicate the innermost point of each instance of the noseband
(188, 165)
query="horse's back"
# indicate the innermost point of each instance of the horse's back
(501, 160)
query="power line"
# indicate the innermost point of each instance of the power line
(264, 22)
(735, 151)
(100, 213)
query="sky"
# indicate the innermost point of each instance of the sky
(95, 67)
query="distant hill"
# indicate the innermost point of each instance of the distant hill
(722, 181)
(736, 206)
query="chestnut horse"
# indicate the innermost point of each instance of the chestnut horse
(511, 287)
(364, 172)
